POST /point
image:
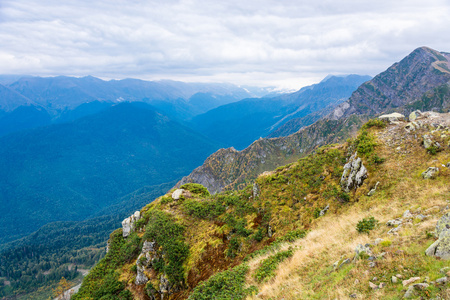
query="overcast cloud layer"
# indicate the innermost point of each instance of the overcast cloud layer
(258, 42)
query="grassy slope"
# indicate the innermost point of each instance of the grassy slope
(289, 200)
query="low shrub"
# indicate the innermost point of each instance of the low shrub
(366, 224)
(196, 188)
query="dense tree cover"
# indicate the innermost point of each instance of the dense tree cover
(42, 258)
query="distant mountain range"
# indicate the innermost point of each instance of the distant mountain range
(238, 124)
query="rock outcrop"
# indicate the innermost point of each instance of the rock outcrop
(128, 224)
(354, 174)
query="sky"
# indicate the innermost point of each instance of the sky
(281, 43)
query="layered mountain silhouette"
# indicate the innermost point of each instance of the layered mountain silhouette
(240, 123)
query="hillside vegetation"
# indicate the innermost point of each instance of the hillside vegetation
(293, 233)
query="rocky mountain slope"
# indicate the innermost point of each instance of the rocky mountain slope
(352, 220)
(419, 81)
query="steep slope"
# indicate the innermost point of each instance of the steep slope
(417, 81)
(293, 233)
(71, 171)
(240, 123)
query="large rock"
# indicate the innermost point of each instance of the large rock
(441, 247)
(128, 224)
(354, 174)
(394, 117)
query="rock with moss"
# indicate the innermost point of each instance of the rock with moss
(430, 173)
(415, 115)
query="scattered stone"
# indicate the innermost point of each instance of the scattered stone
(373, 286)
(444, 270)
(177, 194)
(407, 214)
(354, 174)
(448, 165)
(442, 280)
(323, 211)
(394, 279)
(414, 115)
(394, 230)
(375, 278)
(409, 281)
(409, 293)
(378, 241)
(382, 285)
(356, 281)
(427, 142)
(396, 222)
(399, 276)
(433, 209)
(269, 231)
(353, 295)
(372, 191)
(362, 249)
(420, 286)
(410, 127)
(430, 173)
(421, 217)
(372, 264)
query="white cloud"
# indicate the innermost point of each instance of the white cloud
(245, 42)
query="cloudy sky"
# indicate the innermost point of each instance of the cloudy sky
(286, 43)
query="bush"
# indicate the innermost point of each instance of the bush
(196, 188)
(366, 224)
(377, 160)
(208, 209)
(365, 143)
(374, 123)
(224, 285)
